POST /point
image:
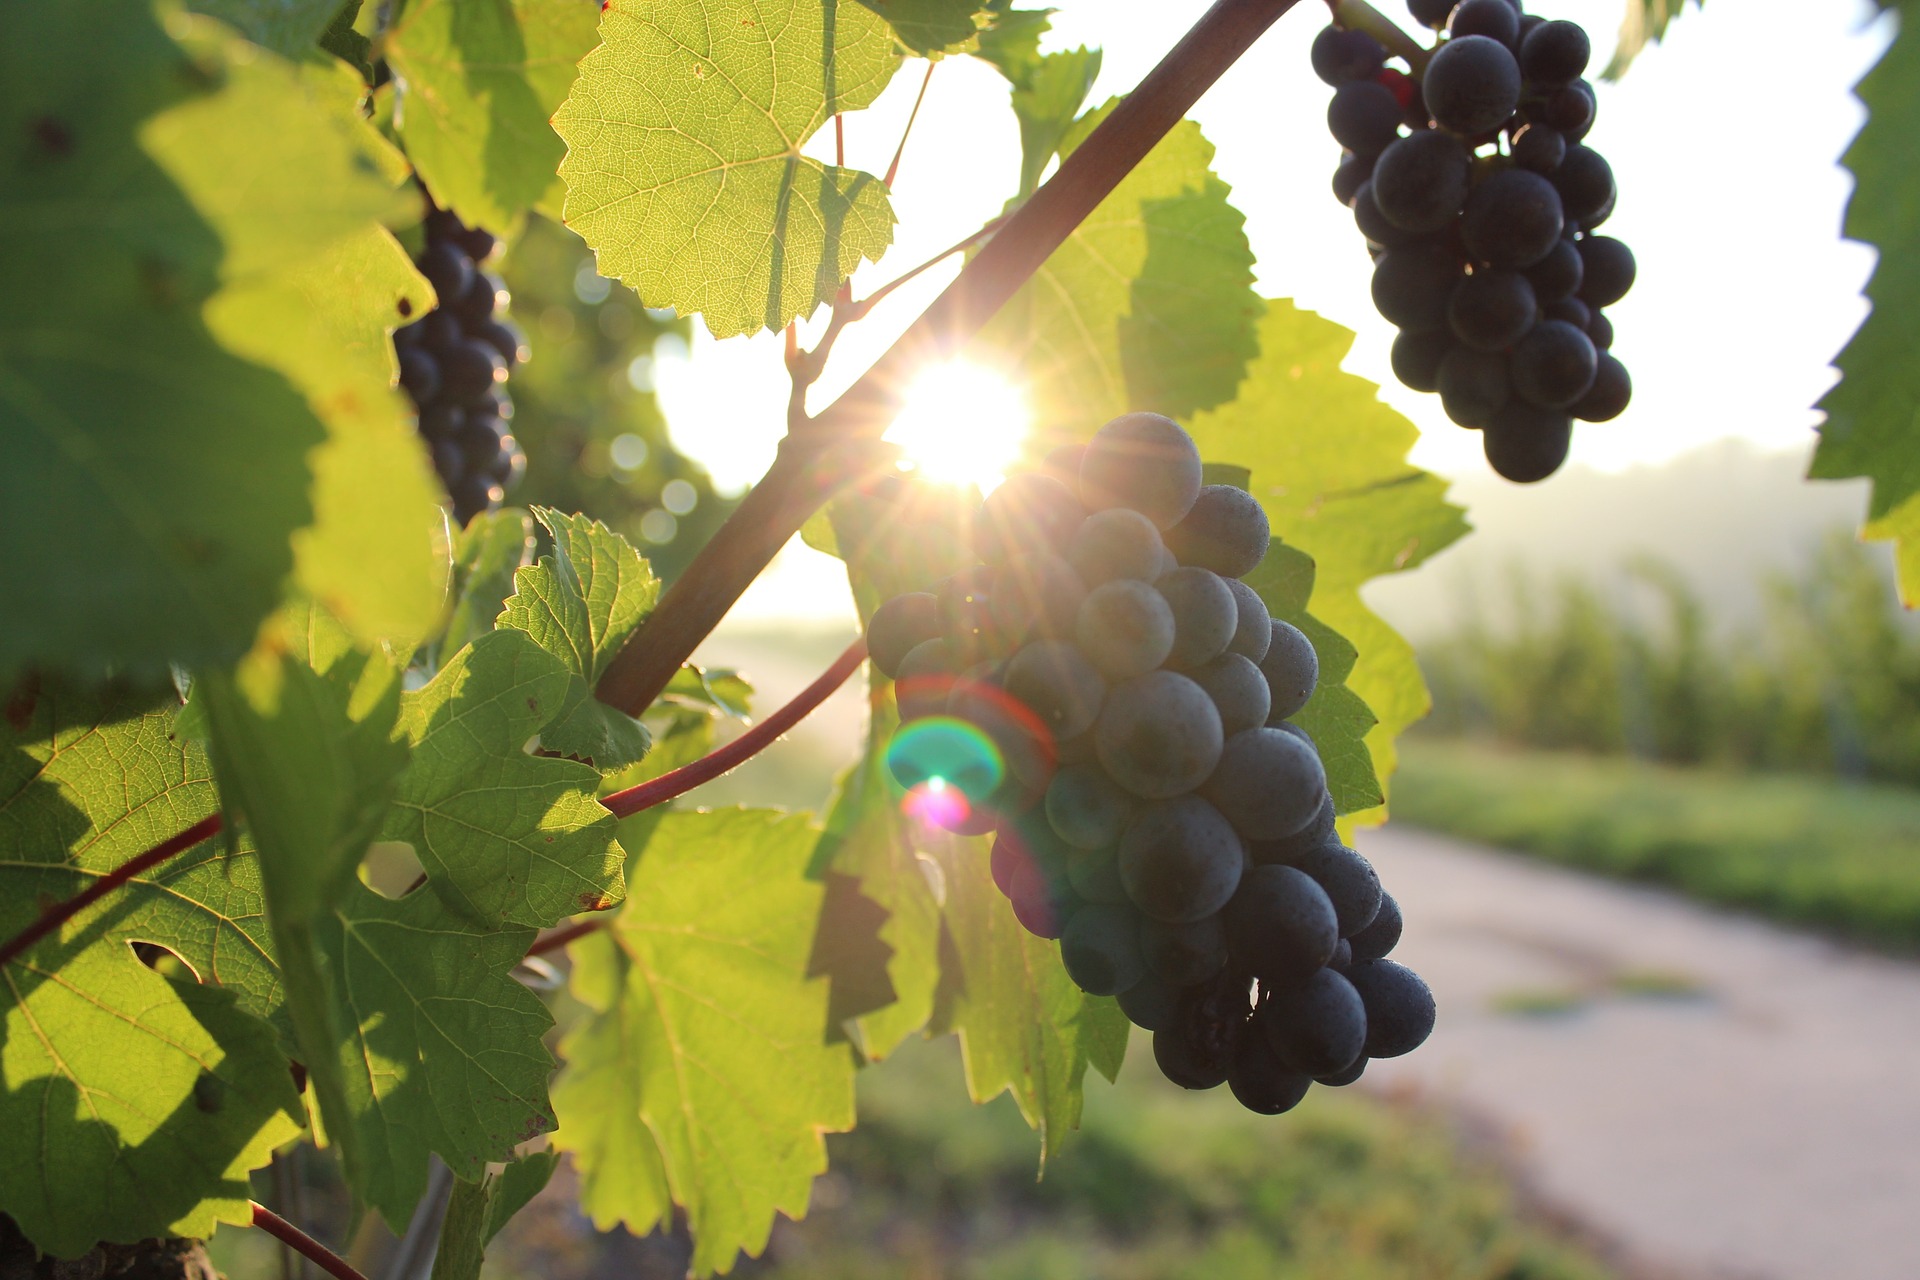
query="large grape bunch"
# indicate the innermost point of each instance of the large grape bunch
(1154, 809)
(1479, 200)
(453, 365)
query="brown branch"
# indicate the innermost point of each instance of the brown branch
(571, 933)
(788, 494)
(303, 1244)
(625, 804)
(61, 912)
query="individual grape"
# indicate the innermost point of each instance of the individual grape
(1254, 635)
(1239, 691)
(1495, 19)
(1095, 876)
(1553, 365)
(1294, 849)
(1342, 954)
(1472, 84)
(1555, 53)
(1524, 443)
(1184, 954)
(473, 494)
(897, 626)
(1593, 221)
(1051, 679)
(924, 678)
(1600, 329)
(1413, 284)
(1364, 117)
(1205, 615)
(1086, 808)
(506, 339)
(1399, 1006)
(1351, 883)
(1125, 628)
(1512, 219)
(1037, 595)
(1115, 543)
(1027, 514)
(447, 269)
(1607, 398)
(1416, 358)
(484, 441)
(1144, 461)
(419, 374)
(1280, 925)
(1100, 948)
(1268, 783)
(1158, 735)
(449, 463)
(1340, 1079)
(1039, 912)
(1151, 1004)
(1609, 270)
(966, 616)
(1261, 1082)
(1491, 310)
(1571, 310)
(1420, 183)
(1373, 225)
(1558, 274)
(1350, 176)
(1569, 110)
(468, 370)
(1431, 13)
(1184, 1060)
(441, 330)
(479, 244)
(1226, 531)
(1584, 181)
(1341, 56)
(1474, 385)
(1020, 842)
(1180, 860)
(1381, 935)
(1318, 1026)
(441, 421)
(1292, 669)
(1540, 148)
(482, 298)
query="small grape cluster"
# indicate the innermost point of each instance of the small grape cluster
(1158, 814)
(1478, 199)
(453, 364)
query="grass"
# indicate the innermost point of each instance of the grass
(1838, 856)
(1158, 1185)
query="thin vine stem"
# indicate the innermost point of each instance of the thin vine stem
(303, 1244)
(624, 804)
(561, 937)
(793, 489)
(893, 169)
(61, 912)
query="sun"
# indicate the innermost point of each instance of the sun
(961, 424)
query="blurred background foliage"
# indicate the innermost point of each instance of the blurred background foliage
(585, 409)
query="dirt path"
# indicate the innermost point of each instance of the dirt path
(1720, 1095)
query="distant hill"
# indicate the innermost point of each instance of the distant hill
(1727, 516)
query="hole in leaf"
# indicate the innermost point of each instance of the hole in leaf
(391, 869)
(164, 962)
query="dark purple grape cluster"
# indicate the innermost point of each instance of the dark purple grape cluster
(1103, 693)
(1479, 200)
(454, 362)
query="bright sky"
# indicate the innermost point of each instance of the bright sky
(1724, 144)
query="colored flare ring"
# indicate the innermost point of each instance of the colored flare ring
(941, 759)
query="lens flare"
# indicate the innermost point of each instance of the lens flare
(936, 804)
(948, 751)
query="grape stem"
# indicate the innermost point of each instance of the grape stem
(815, 451)
(303, 1244)
(893, 170)
(1358, 15)
(60, 912)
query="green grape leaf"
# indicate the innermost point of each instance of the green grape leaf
(932, 27)
(375, 556)
(288, 27)
(581, 604)
(1048, 89)
(515, 1186)
(507, 838)
(486, 556)
(1012, 42)
(1024, 1027)
(1328, 463)
(150, 173)
(131, 1106)
(1643, 23)
(92, 779)
(683, 165)
(480, 80)
(1873, 414)
(1149, 305)
(443, 1049)
(477, 1210)
(706, 1073)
